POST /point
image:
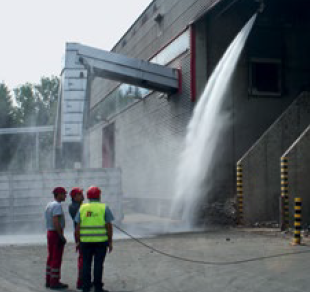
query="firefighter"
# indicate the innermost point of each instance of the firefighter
(77, 199)
(55, 224)
(94, 232)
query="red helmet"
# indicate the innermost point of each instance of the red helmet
(75, 191)
(93, 193)
(59, 190)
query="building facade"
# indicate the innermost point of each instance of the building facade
(142, 131)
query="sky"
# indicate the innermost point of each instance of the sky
(34, 33)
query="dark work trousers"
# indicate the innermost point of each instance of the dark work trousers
(55, 249)
(90, 250)
(79, 282)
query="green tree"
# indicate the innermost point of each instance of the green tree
(6, 107)
(37, 102)
(26, 111)
(46, 94)
(6, 121)
(36, 106)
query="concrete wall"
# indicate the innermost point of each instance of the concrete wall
(298, 173)
(95, 142)
(261, 179)
(23, 196)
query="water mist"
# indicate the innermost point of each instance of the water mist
(204, 132)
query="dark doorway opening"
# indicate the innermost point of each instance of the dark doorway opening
(108, 146)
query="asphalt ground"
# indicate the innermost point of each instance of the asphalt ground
(216, 260)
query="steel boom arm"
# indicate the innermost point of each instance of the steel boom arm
(120, 68)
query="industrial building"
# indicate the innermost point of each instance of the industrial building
(129, 108)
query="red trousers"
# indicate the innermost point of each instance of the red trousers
(79, 282)
(55, 249)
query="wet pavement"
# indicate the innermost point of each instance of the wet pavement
(212, 261)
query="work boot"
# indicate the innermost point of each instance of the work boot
(101, 290)
(59, 286)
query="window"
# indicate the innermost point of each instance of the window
(265, 77)
(174, 49)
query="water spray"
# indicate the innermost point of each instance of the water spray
(261, 7)
(205, 132)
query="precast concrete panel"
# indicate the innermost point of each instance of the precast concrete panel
(95, 146)
(75, 95)
(74, 118)
(74, 106)
(74, 85)
(72, 132)
(26, 195)
(261, 163)
(79, 74)
(298, 176)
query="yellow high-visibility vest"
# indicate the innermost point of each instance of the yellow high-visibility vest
(92, 222)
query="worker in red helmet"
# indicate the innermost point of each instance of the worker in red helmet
(77, 198)
(94, 232)
(55, 224)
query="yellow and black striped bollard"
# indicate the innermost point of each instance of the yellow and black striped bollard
(297, 222)
(240, 193)
(284, 193)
